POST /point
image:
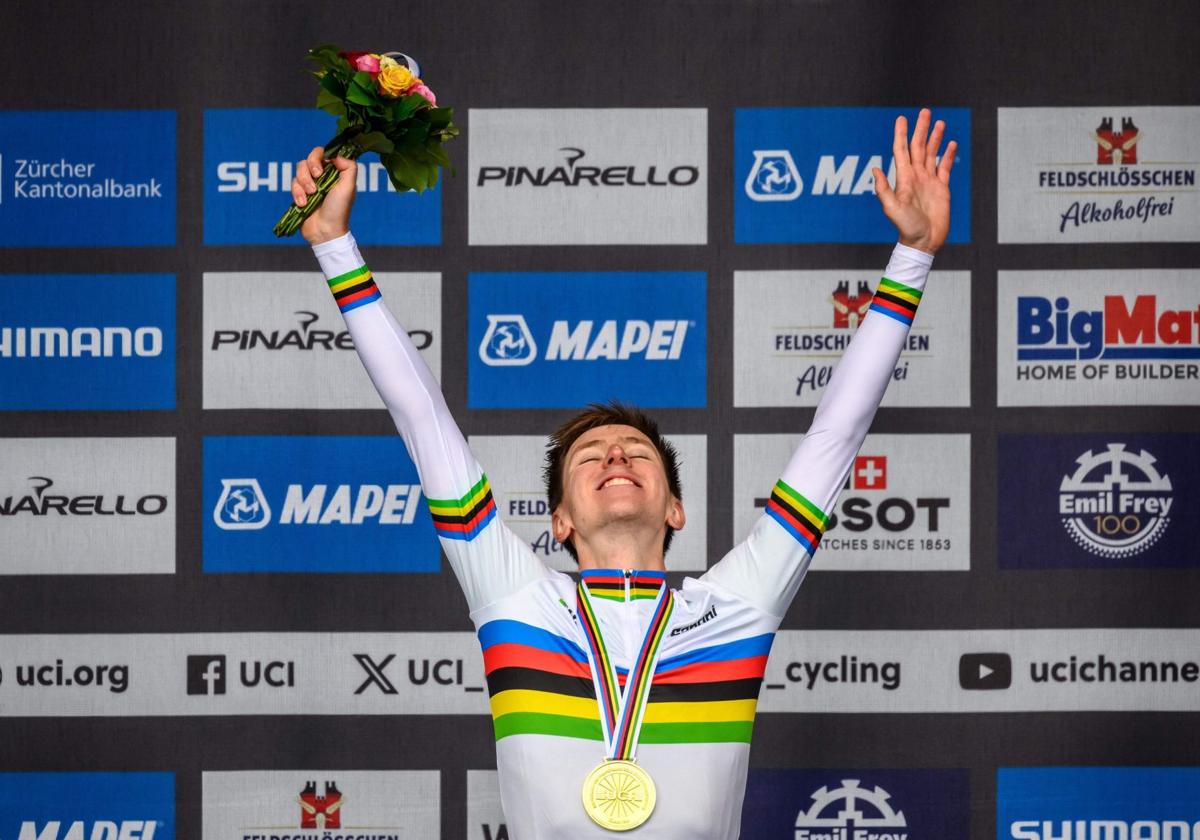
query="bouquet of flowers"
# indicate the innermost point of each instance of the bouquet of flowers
(382, 106)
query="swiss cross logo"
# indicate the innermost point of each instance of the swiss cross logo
(870, 472)
(1119, 147)
(321, 811)
(849, 309)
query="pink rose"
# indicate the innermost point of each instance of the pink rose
(367, 63)
(423, 91)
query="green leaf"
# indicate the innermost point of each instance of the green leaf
(359, 95)
(440, 117)
(375, 141)
(333, 85)
(330, 104)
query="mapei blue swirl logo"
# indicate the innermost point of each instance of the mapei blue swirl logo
(242, 505)
(507, 341)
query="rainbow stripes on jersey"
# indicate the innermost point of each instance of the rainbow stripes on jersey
(541, 684)
(609, 584)
(896, 300)
(798, 516)
(354, 288)
(463, 519)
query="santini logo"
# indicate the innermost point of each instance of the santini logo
(508, 341)
(59, 342)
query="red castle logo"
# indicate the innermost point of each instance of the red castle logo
(320, 811)
(1119, 147)
(848, 311)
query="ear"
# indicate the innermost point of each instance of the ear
(675, 515)
(561, 525)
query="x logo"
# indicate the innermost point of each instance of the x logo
(375, 675)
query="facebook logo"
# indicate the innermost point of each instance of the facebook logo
(206, 674)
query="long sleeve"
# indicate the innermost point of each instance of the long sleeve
(768, 567)
(488, 559)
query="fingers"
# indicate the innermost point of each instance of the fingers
(883, 189)
(900, 142)
(935, 141)
(302, 184)
(316, 161)
(920, 132)
(943, 170)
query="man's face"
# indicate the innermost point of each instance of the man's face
(614, 475)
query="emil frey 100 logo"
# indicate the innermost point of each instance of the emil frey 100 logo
(850, 812)
(1116, 503)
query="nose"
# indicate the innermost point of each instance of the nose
(616, 455)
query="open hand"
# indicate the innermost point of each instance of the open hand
(332, 218)
(919, 206)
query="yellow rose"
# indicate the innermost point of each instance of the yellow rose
(386, 61)
(393, 81)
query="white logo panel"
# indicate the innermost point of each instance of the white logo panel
(895, 513)
(1121, 173)
(791, 328)
(576, 176)
(485, 814)
(513, 464)
(277, 339)
(87, 506)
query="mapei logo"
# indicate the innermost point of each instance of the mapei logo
(242, 506)
(1118, 147)
(851, 812)
(321, 811)
(88, 830)
(1050, 330)
(773, 177)
(1115, 503)
(508, 340)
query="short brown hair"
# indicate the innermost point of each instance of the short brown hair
(613, 414)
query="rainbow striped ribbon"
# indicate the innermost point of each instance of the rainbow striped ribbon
(621, 712)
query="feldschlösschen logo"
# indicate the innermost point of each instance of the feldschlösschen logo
(1115, 503)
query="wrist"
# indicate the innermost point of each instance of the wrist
(920, 243)
(322, 235)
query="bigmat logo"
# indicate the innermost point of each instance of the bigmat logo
(804, 174)
(1099, 500)
(567, 339)
(1098, 803)
(514, 466)
(72, 341)
(87, 806)
(892, 515)
(277, 340)
(574, 176)
(87, 505)
(249, 161)
(791, 328)
(1110, 174)
(314, 504)
(1099, 337)
(321, 804)
(68, 178)
(857, 805)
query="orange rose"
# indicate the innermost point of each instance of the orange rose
(393, 81)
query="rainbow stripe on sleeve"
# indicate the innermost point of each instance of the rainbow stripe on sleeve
(354, 288)
(896, 300)
(798, 516)
(463, 519)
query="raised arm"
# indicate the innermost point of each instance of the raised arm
(768, 567)
(488, 559)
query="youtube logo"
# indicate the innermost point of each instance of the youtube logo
(984, 671)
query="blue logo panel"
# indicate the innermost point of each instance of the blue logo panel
(55, 806)
(70, 341)
(250, 156)
(314, 504)
(559, 340)
(804, 174)
(87, 178)
(1039, 803)
(1098, 501)
(820, 804)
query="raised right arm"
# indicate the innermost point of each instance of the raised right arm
(489, 560)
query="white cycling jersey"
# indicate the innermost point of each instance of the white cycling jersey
(695, 738)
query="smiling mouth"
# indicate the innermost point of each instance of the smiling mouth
(618, 481)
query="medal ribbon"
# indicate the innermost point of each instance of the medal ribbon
(621, 712)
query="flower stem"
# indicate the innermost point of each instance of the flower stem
(291, 220)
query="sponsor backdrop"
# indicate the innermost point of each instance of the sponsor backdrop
(217, 566)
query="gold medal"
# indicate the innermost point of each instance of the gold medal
(618, 795)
